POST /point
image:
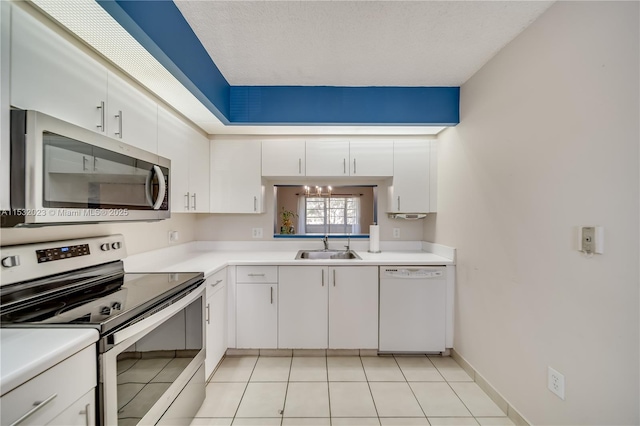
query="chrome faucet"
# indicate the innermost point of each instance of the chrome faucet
(348, 246)
(325, 241)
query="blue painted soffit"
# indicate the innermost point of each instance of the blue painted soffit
(160, 28)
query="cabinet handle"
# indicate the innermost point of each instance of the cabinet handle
(216, 283)
(323, 278)
(334, 277)
(36, 406)
(299, 166)
(101, 108)
(187, 205)
(354, 166)
(271, 295)
(255, 275)
(255, 204)
(398, 203)
(194, 200)
(87, 415)
(95, 164)
(344, 166)
(84, 163)
(208, 314)
(119, 117)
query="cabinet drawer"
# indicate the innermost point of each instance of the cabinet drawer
(61, 385)
(257, 274)
(216, 282)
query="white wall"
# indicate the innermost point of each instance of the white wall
(549, 140)
(138, 236)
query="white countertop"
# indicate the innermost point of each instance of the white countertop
(210, 257)
(27, 352)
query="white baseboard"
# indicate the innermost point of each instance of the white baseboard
(495, 396)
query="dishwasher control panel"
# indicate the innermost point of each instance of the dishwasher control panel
(424, 272)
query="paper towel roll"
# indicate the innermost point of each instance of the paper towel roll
(374, 238)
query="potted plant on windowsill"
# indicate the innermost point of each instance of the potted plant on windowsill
(287, 221)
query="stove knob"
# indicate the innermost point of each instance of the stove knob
(116, 306)
(11, 261)
(116, 245)
(105, 247)
(105, 310)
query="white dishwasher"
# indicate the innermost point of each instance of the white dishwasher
(412, 309)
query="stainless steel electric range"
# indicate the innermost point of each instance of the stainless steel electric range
(151, 349)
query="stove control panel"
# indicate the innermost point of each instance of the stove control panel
(58, 253)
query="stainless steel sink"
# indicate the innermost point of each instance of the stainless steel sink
(327, 254)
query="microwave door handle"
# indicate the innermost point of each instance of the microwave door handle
(163, 187)
(147, 187)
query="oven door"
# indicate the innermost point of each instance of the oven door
(153, 370)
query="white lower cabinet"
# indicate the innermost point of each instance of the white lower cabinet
(256, 307)
(303, 313)
(353, 307)
(58, 396)
(328, 307)
(216, 320)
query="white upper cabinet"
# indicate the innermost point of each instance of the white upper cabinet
(283, 158)
(371, 158)
(412, 186)
(327, 158)
(131, 116)
(188, 151)
(361, 158)
(236, 181)
(50, 75)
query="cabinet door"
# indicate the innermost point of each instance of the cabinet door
(49, 74)
(198, 172)
(353, 307)
(216, 318)
(80, 413)
(410, 190)
(131, 116)
(371, 158)
(236, 180)
(327, 158)
(257, 316)
(283, 158)
(173, 145)
(302, 307)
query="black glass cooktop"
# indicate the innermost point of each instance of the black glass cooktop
(100, 301)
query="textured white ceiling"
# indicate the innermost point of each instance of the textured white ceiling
(355, 43)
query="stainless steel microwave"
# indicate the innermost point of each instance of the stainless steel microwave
(64, 174)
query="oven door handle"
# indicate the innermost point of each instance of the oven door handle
(156, 319)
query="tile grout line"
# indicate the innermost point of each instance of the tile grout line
(245, 389)
(370, 392)
(286, 391)
(326, 363)
(411, 389)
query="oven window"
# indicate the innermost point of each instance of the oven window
(146, 369)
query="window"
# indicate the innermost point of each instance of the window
(331, 215)
(349, 209)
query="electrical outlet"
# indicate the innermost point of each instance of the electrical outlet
(396, 232)
(173, 236)
(256, 233)
(591, 239)
(555, 382)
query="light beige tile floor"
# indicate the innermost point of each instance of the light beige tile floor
(345, 391)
